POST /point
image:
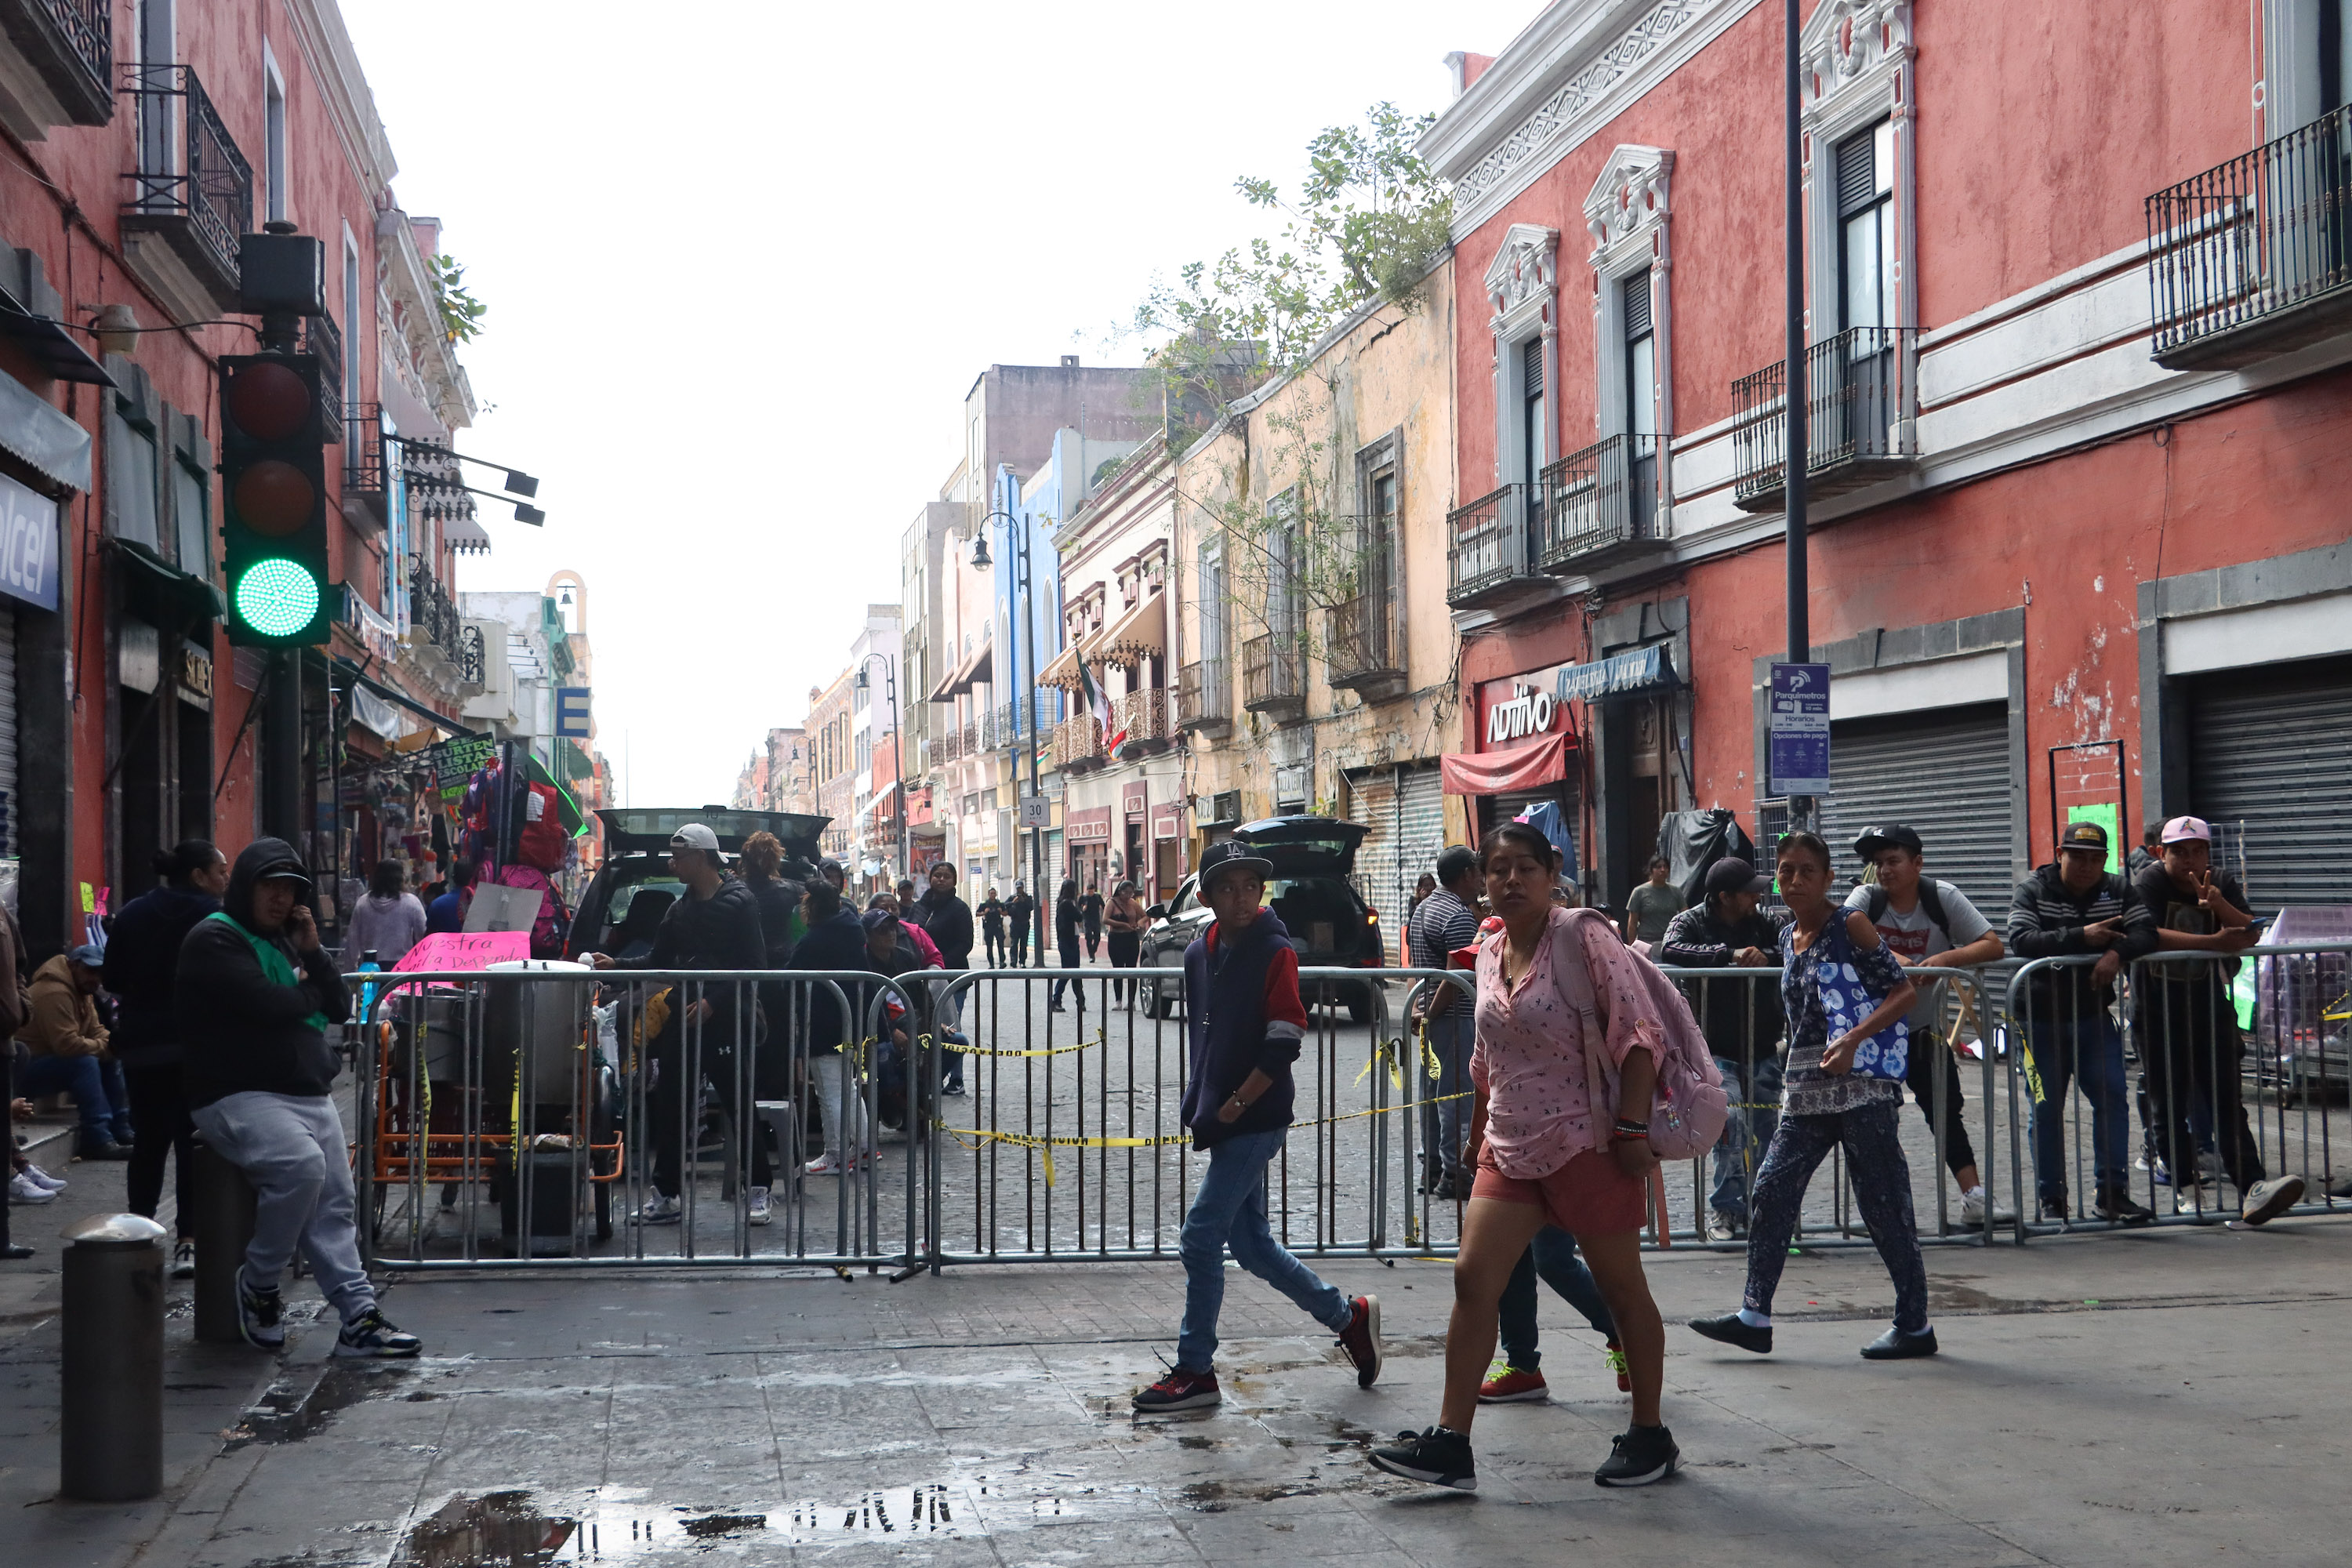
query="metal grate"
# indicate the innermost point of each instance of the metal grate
(189, 165)
(1855, 409)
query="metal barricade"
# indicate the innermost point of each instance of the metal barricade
(2233, 1062)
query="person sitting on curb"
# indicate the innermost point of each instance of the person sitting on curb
(71, 1051)
(1246, 1020)
(254, 996)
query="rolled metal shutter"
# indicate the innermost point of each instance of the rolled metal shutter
(1421, 827)
(1371, 805)
(1945, 772)
(2274, 757)
(9, 848)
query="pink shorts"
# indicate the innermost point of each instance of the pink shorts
(1589, 1195)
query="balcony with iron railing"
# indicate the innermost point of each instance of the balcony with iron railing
(1204, 697)
(323, 339)
(1488, 553)
(1142, 717)
(2253, 258)
(438, 630)
(1858, 425)
(192, 190)
(367, 473)
(1600, 507)
(1360, 648)
(947, 746)
(69, 49)
(1274, 675)
(1079, 744)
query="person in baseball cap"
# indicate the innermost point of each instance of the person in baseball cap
(2188, 830)
(2084, 837)
(1871, 842)
(1220, 861)
(1733, 875)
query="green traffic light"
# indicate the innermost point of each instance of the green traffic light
(277, 597)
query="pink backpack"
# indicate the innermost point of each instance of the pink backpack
(1687, 1116)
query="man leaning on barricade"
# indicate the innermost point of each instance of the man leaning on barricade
(1742, 1021)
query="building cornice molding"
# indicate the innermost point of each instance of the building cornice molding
(1851, 48)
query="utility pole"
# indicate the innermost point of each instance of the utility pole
(1792, 472)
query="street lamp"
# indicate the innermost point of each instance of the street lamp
(980, 562)
(898, 748)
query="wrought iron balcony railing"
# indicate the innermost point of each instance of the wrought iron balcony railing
(1359, 639)
(1859, 425)
(1600, 506)
(69, 46)
(1205, 694)
(1078, 743)
(192, 186)
(1273, 681)
(321, 337)
(1142, 717)
(367, 475)
(1487, 549)
(947, 746)
(435, 618)
(2253, 257)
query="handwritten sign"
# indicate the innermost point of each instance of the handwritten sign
(471, 949)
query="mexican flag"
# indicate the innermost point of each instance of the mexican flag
(1100, 703)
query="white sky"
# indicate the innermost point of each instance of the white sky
(743, 260)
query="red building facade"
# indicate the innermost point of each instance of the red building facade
(2031, 535)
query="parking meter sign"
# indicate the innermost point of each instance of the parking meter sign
(1801, 728)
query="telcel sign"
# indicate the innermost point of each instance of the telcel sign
(1529, 710)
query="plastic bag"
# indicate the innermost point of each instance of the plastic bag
(1693, 840)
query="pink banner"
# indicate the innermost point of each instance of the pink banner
(470, 950)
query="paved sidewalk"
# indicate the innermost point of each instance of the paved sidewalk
(2144, 1399)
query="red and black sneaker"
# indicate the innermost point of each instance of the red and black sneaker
(1180, 1390)
(1361, 1339)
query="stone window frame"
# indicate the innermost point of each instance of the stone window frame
(1523, 291)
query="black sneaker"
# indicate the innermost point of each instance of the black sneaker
(2117, 1208)
(1731, 1328)
(370, 1337)
(258, 1314)
(1637, 1456)
(1436, 1457)
(1361, 1339)
(1897, 1345)
(1180, 1390)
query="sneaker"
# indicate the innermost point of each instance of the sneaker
(2117, 1208)
(41, 1178)
(758, 1211)
(1612, 1356)
(2191, 1199)
(1507, 1385)
(2053, 1211)
(1731, 1328)
(1361, 1339)
(369, 1336)
(259, 1313)
(2209, 1166)
(1637, 1456)
(1721, 1227)
(2265, 1201)
(1181, 1391)
(829, 1165)
(106, 1148)
(660, 1209)
(1975, 1205)
(952, 1087)
(23, 1189)
(1437, 1458)
(1897, 1345)
(184, 1258)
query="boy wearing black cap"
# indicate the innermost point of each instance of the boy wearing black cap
(1240, 996)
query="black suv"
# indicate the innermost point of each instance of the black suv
(632, 891)
(1329, 923)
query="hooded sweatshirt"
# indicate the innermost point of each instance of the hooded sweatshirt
(1241, 998)
(143, 966)
(252, 1012)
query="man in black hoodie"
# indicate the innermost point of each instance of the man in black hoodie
(252, 999)
(714, 924)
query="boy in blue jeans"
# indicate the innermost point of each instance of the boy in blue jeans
(1242, 1003)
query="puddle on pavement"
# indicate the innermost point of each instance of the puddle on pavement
(288, 1414)
(507, 1529)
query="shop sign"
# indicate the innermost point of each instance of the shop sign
(455, 762)
(1529, 710)
(572, 713)
(1623, 675)
(1088, 826)
(29, 545)
(196, 672)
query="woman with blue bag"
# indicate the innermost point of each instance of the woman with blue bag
(1845, 998)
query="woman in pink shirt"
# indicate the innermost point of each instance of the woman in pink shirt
(1545, 1153)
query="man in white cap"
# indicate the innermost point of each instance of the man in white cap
(2188, 1028)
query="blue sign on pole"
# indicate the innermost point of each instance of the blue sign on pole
(572, 713)
(1801, 728)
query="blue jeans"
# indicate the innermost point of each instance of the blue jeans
(1553, 1256)
(2059, 1051)
(98, 1089)
(1229, 1210)
(1746, 1131)
(1443, 1118)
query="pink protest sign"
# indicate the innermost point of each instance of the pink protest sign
(447, 951)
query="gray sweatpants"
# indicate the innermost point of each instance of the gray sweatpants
(292, 1149)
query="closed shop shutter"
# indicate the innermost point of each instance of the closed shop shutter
(1945, 772)
(1054, 871)
(2270, 757)
(1371, 804)
(9, 848)
(1421, 827)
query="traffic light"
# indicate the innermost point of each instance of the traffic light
(274, 499)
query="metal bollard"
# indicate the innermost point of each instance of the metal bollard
(110, 1384)
(224, 1228)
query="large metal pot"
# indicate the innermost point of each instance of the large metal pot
(537, 1028)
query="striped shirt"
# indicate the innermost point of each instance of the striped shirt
(1442, 923)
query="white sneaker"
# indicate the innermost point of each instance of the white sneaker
(660, 1209)
(23, 1189)
(829, 1165)
(41, 1178)
(2191, 1199)
(759, 1214)
(1973, 1206)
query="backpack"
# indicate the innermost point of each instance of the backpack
(1687, 1116)
(1931, 903)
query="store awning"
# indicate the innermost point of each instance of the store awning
(1140, 634)
(165, 594)
(52, 345)
(465, 536)
(1514, 768)
(976, 670)
(42, 437)
(1064, 670)
(880, 800)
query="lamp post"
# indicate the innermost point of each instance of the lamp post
(1019, 536)
(897, 750)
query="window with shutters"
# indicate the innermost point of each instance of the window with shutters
(1629, 213)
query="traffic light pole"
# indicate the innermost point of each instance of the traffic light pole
(281, 749)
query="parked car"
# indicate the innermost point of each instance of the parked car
(1330, 924)
(627, 898)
